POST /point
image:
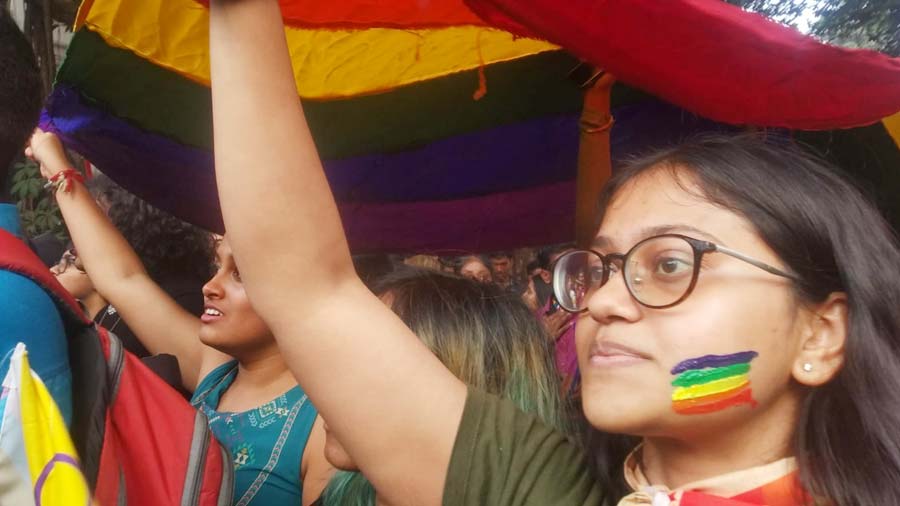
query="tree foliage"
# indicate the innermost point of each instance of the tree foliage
(871, 24)
(37, 208)
(788, 12)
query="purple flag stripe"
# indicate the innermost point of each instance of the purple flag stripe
(714, 361)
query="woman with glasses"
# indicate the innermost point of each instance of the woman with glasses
(71, 275)
(737, 329)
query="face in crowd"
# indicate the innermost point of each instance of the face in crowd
(229, 323)
(501, 268)
(474, 268)
(641, 365)
(71, 275)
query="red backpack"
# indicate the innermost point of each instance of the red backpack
(139, 441)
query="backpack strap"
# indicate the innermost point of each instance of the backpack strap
(17, 257)
(89, 356)
(193, 480)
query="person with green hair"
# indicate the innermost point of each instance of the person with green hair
(483, 335)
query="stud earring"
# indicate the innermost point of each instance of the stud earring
(807, 367)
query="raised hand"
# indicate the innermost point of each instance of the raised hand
(46, 149)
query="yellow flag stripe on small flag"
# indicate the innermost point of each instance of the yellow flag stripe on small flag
(34, 429)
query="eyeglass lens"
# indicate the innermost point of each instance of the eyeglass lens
(658, 272)
(69, 259)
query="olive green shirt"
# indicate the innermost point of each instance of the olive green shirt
(503, 456)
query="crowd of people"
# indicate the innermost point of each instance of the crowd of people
(731, 337)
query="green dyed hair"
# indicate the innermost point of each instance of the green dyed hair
(486, 337)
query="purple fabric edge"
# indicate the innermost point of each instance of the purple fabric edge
(146, 164)
(411, 202)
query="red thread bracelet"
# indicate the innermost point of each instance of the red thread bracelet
(63, 179)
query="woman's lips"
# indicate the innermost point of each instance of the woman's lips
(211, 314)
(611, 354)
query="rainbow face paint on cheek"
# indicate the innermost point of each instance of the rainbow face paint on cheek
(712, 383)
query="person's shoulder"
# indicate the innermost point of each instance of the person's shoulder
(488, 417)
(19, 293)
(212, 380)
(505, 456)
(22, 300)
(29, 315)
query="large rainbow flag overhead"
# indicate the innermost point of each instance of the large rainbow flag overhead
(438, 131)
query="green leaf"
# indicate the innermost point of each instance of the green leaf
(17, 189)
(35, 186)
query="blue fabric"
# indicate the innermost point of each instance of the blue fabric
(266, 443)
(9, 220)
(28, 314)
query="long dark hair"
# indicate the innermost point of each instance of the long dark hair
(21, 93)
(847, 437)
(168, 247)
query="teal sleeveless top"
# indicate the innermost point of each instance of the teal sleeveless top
(266, 443)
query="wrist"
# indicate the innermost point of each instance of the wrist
(52, 171)
(592, 122)
(54, 163)
(64, 180)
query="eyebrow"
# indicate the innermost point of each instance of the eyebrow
(601, 242)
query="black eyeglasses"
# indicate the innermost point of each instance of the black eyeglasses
(659, 271)
(69, 258)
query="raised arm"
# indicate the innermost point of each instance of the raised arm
(390, 401)
(116, 271)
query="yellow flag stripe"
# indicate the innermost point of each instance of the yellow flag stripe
(174, 34)
(52, 459)
(711, 388)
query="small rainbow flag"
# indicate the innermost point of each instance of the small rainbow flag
(38, 462)
(712, 383)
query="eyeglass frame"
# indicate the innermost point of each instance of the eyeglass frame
(699, 247)
(69, 258)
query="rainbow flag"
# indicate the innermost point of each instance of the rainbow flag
(438, 131)
(712, 383)
(38, 462)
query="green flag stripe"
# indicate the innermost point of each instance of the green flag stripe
(701, 376)
(164, 102)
